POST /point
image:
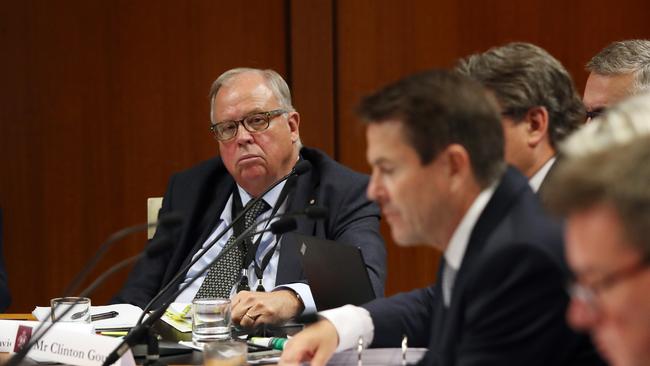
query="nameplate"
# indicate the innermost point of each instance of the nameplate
(73, 344)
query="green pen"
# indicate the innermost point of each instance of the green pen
(274, 342)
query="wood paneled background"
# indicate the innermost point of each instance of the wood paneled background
(100, 101)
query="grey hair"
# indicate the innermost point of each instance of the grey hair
(274, 81)
(617, 177)
(618, 125)
(625, 57)
(522, 76)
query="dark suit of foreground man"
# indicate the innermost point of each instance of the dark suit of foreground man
(435, 144)
(262, 146)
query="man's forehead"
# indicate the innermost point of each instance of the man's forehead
(244, 96)
(604, 90)
(595, 236)
(386, 140)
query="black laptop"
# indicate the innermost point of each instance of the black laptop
(336, 272)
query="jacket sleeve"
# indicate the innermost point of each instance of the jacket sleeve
(405, 314)
(356, 222)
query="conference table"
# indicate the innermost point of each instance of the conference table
(369, 357)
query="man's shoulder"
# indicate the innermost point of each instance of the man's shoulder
(331, 171)
(203, 169)
(525, 228)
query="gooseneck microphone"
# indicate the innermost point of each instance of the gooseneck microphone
(156, 247)
(300, 168)
(140, 331)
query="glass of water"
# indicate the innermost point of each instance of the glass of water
(210, 320)
(71, 309)
(225, 353)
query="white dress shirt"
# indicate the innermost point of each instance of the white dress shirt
(352, 322)
(536, 180)
(266, 244)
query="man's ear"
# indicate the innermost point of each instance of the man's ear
(537, 123)
(294, 125)
(459, 167)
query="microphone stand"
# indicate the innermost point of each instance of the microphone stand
(153, 249)
(139, 332)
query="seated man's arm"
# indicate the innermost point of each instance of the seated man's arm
(356, 222)
(406, 314)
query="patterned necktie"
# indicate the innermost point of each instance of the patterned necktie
(225, 272)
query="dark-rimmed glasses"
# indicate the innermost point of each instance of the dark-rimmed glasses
(256, 122)
(589, 294)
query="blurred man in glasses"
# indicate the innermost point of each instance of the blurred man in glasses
(257, 131)
(603, 189)
(620, 70)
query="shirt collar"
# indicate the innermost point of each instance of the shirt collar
(271, 198)
(460, 239)
(536, 180)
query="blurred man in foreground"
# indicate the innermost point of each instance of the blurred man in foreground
(435, 144)
(603, 188)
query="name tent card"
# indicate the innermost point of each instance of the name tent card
(73, 344)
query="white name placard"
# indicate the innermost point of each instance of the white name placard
(69, 343)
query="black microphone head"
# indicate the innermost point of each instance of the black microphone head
(302, 167)
(171, 219)
(316, 212)
(284, 225)
(158, 246)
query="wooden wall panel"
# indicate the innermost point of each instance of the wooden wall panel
(101, 102)
(379, 41)
(312, 71)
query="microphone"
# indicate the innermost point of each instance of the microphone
(139, 331)
(155, 248)
(284, 225)
(300, 168)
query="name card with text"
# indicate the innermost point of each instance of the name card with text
(73, 344)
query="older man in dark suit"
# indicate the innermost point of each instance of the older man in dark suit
(435, 144)
(259, 142)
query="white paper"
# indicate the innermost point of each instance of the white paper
(127, 315)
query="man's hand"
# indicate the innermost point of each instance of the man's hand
(316, 343)
(251, 309)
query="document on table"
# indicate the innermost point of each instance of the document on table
(127, 316)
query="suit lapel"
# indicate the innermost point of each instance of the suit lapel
(448, 321)
(206, 217)
(304, 195)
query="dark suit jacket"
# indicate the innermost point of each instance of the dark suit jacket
(5, 297)
(201, 192)
(508, 302)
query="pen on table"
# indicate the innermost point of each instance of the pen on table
(275, 343)
(102, 316)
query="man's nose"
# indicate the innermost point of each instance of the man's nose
(243, 136)
(581, 315)
(374, 189)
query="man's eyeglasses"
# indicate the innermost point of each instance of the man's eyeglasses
(257, 122)
(589, 294)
